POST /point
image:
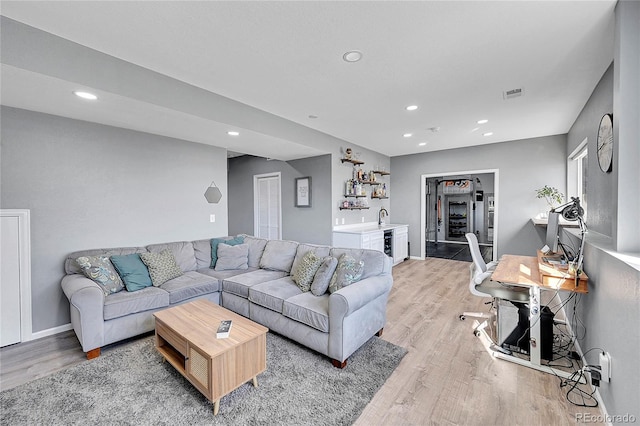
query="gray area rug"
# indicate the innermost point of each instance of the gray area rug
(131, 385)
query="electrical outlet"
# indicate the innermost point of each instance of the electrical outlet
(362, 219)
(337, 221)
(605, 366)
(343, 220)
(212, 218)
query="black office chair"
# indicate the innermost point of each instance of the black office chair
(480, 284)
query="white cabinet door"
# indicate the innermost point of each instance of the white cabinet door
(377, 241)
(400, 244)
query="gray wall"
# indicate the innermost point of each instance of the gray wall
(523, 166)
(611, 311)
(91, 186)
(305, 224)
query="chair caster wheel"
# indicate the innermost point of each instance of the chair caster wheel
(462, 317)
(476, 333)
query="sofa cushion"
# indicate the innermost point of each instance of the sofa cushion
(232, 257)
(303, 273)
(374, 260)
(279, 255)
(272, 294)
(100, 270)
(183, 253)
(162, 266)
(188, 285)
(240, 284)
(202, 251)
(222, 275)
(321, 280)
(72, 267)
(256, 248)
(125, 303)
(227, 240)
(303, 249)
(348, 271)
(132, 270)
(308, 309)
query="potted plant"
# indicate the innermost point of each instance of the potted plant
(552, 196)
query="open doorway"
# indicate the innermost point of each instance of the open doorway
(454, 204)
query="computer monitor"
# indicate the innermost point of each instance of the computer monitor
(552, 231)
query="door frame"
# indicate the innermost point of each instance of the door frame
(423, 202)
(256, 215)
(24, 232)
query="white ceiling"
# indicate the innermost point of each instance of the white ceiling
(453, 59)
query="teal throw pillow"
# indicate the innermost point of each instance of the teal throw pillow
(214, 247)
(162, 266)
(132, 270)
(306, 270)
(349, 271)
(100, 270)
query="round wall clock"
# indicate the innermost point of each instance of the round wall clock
(605, 142)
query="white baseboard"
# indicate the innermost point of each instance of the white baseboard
(50, 332)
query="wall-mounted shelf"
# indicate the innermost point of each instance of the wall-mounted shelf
(380, 198)
(369, 182)
(354, 208)
(354, 196)
(382, 173)
(354, 162)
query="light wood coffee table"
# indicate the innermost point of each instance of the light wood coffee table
(186, 337)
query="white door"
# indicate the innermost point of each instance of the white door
(15, 276)
(267, 206)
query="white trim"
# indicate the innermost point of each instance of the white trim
(51, 331)
(572, 168)
(255, 201)
(423, 207)
(24, 220)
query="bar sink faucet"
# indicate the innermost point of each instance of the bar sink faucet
(382, 213)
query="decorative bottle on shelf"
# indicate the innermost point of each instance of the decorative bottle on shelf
(384, 190)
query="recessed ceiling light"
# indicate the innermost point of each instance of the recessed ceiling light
(352, 56)
(85, 95)
(412, 107)
(407, 135)
(422, 144)
(233, 133)
(487, 134)
(482, 121)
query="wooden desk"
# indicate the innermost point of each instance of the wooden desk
(537, 275)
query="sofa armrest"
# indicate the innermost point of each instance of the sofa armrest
(349, 299)
(86, 301)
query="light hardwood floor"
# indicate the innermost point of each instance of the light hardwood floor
(446, 378)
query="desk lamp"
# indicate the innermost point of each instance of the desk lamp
(572, 211)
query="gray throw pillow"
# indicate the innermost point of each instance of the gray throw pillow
(162, 266)
(348, 271)
(100, 270)
(305, 270)
(321, 280)
(232, 257)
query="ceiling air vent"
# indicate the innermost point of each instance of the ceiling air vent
(513, 93)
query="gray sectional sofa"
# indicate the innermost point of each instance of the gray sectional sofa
(334, 324)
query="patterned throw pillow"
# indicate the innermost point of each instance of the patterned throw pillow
(162, 266)
(100, 270)
(323, 276)
(349, 271)
(306, 270)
